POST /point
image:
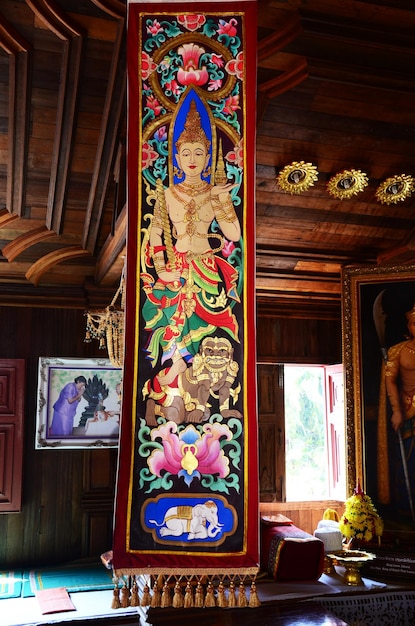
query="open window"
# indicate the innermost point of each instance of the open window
(301, 433)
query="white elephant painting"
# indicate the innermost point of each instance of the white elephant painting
(198, 522)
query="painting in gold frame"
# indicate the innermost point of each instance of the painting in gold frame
(375, 306)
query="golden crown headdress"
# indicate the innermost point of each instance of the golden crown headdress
(193, 131)
(410, 314)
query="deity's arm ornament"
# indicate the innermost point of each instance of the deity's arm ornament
(161, 200)
(160, 238)
(222, 203)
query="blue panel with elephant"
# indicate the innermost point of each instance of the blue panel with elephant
(186, 518)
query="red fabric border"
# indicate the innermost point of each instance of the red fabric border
(125, 560)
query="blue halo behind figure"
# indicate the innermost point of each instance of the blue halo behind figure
(178, 127)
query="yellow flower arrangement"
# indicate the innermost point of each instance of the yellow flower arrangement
(360, 518)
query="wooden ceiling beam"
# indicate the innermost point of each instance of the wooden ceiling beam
(403, 250)
(116, 8)
(112, 251)
(19, 54)
(279, 305)
(287, 31)
(45, 263)
(109, 132)
(12, 250)
(72, 43)
(6, 218)
(287, 80)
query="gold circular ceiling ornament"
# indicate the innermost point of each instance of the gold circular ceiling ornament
(297, 177)
(395, 189)
(347, 184)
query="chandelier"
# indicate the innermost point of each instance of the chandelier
(107, 326)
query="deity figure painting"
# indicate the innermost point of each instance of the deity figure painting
(189, 404)
(190, 287)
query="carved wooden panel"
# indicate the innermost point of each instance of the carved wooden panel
(271, 433)
(97, 500)
(12, 389)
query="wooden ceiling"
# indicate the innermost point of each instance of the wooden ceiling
(336, 88)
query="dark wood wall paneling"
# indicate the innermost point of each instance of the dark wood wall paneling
(298, 340)
(67, 494)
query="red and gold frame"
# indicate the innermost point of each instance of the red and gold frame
(187, 484)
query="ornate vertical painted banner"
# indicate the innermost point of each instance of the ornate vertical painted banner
(187, 485)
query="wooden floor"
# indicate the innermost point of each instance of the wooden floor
(297, 613)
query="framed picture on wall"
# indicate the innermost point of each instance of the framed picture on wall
(379, 359)
(78, 403)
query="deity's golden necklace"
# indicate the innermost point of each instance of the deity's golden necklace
(193, 189)
(410, 348)
(191, 215)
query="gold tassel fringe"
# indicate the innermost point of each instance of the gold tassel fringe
(183, 592)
